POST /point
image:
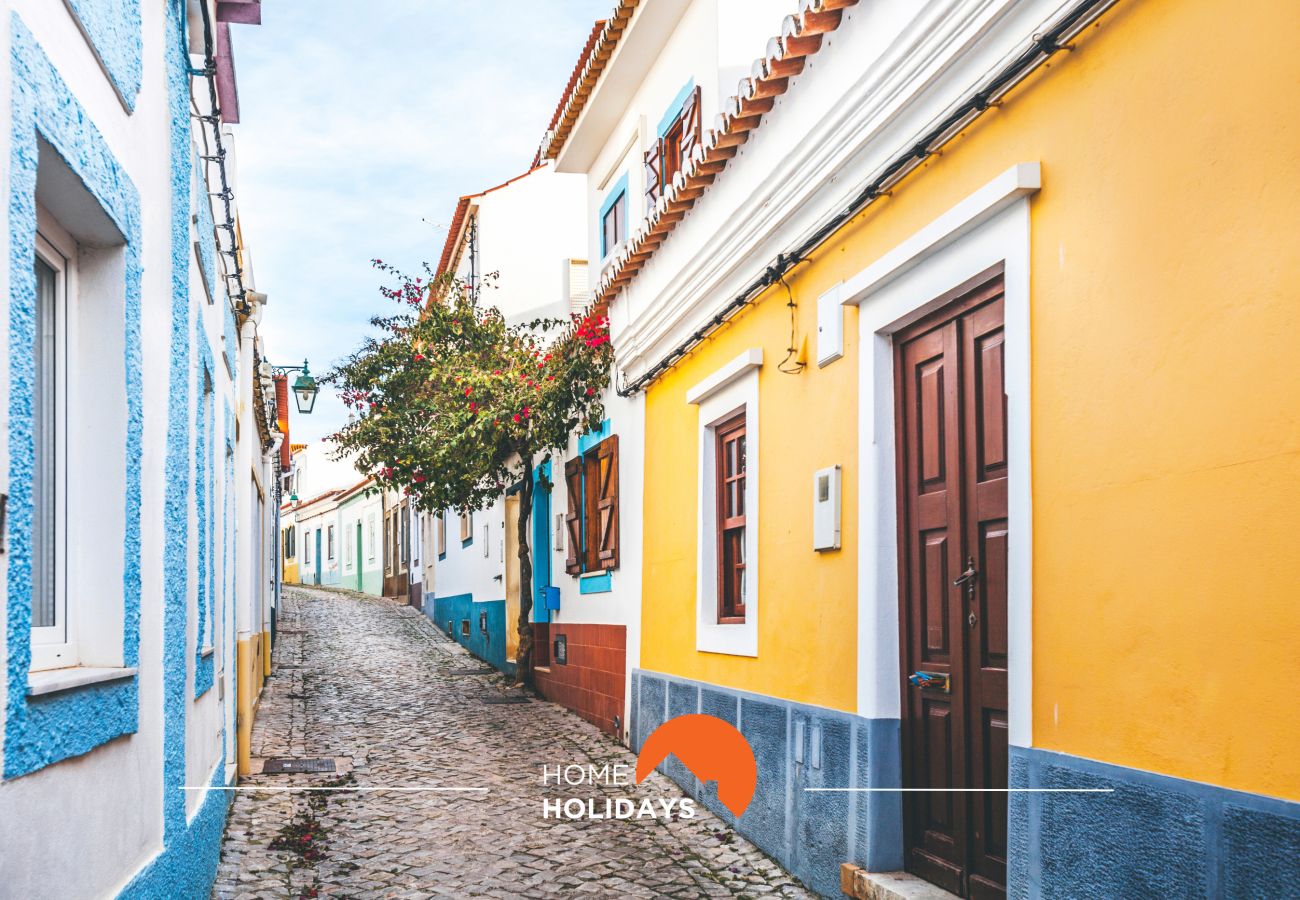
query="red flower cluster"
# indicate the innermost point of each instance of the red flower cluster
(593, 330)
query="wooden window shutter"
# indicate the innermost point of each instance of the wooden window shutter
(607, 502)
(653, 174)
(573, 516)
(691, 128)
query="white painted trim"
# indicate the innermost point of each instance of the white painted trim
(749, 360)
(896, 69)
(52, 681)
(1018, 181)
(908, 293)
(731, 389)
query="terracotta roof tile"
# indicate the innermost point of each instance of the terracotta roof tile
(595, 56)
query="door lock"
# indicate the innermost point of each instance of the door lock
(972, 619)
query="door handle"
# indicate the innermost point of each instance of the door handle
(967, 577)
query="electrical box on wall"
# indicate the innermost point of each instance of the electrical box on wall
(826, 509)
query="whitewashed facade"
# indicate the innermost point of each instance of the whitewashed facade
(137, 452)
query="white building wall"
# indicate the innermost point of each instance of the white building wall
(88, 823)
(475, 567)
(527, 229)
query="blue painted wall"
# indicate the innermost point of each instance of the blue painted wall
(796, 747)
(489, 645)
(113, 29)
(45, 730)
(1155, 836)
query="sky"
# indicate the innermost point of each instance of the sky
(361, 123)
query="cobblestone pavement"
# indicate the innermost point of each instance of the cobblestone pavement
(369, 682)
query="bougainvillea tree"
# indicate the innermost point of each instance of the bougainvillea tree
(453, 406)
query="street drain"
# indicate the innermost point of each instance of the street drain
(283, 766)
(506, 698)
(470, 671)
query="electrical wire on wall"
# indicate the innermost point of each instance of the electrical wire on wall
(791, 365)
(215, 153)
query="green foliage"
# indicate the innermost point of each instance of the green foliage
(451, 401)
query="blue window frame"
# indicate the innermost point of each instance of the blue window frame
(613, 217)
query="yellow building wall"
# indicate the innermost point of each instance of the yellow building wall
(1165, 292)
(251, 668)
(289, 573)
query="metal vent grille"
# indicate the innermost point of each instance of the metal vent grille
(282, 766)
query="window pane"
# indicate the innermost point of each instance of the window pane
(44, 419)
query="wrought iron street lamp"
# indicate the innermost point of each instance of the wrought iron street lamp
(304, 386)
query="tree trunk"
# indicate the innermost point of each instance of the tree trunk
(524, 654)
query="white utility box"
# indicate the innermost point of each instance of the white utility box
(826, 509)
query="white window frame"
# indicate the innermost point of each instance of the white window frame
(370, 536)
(329, 543)
(720, 397)
(348, 560)
(306, 547)
(55, 646)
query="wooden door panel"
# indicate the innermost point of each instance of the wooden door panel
(934, 581)
(952, 499)
(930, 436)
(929, 455)
(992, 563)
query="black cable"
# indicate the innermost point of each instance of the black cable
(208, 72)
(785, 366)
(1041, 48)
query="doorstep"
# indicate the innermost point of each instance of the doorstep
(860, 884)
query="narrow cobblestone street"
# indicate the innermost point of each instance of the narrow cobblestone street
(370, 684)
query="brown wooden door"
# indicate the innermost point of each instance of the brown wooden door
(952, 505)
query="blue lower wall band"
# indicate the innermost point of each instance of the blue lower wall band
(487, 626)
(1154, 836)
(808, 833)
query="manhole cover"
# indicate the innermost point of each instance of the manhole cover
(506, 698)
(471, 671)
(281, 766)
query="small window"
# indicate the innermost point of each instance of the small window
(388, 542)
(370, 537)
(306, 547)
(442, 534)
(613, 226)
(50, 628)
(329, 542)
(729, 461)
(672, 151)
(591, 521)
(677, 140)
(289, 548)
(405, 533)
(466, 529)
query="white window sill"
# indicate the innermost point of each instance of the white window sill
(206, 652)
(52, 681)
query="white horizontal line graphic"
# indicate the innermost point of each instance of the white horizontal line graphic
(358, 789)
(961, 790)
